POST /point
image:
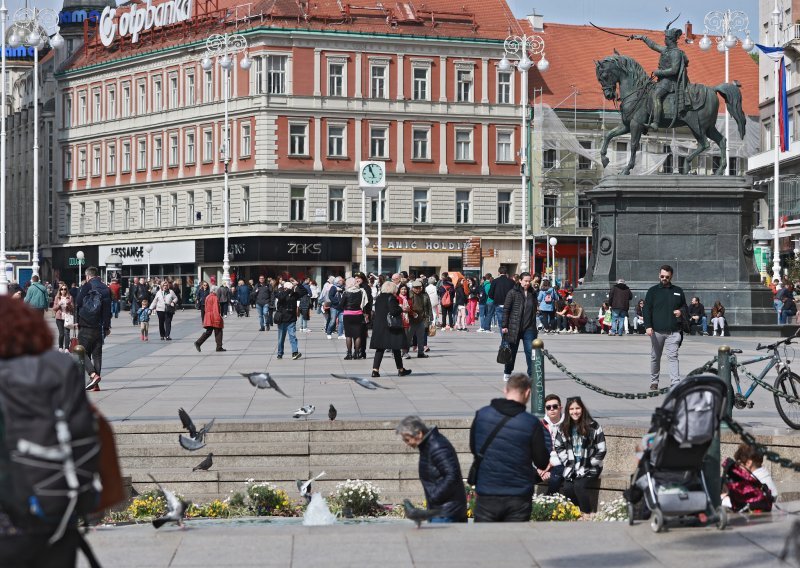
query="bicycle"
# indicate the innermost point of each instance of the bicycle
(787, 382)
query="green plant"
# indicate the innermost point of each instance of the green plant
(237, 499)
(148, 504)
(471, 495)
(360, 498)
(554, 508)
(266, 499)
(616, 510)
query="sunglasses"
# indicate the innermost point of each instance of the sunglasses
(665, 277)
(552, 406)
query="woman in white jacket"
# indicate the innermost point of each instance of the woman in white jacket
(164, 304)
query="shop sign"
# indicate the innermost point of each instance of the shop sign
(67, 17)
(73, 261)
(276, 249)
(20, 52)
(138, 19)
(425, 245)
(179, 252)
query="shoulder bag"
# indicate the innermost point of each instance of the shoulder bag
(472, 477)
(504, 354)
(395, 323)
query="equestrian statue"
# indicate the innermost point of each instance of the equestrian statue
(668, 101)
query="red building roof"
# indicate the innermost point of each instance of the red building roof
(572, 51)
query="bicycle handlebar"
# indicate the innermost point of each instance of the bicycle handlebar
(772, 346)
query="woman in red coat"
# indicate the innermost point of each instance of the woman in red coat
(212, 321)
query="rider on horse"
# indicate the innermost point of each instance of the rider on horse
(671, 74)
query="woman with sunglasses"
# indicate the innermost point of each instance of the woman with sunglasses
(581, 448)
(62, 306)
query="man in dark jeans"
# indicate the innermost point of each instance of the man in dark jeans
(94, 324)
(506, 475)
(498, 290)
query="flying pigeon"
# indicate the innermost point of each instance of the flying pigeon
(332, 413)
(306, 411)
(205, 464)
(419, 515)
(366, 383)
(263, 381)
(305, 487)
(196, 438)
(176, 508)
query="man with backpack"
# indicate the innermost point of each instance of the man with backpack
(36, 296)
(447, 297)
(93, 308)
(333, 298)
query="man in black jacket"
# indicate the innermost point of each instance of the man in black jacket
(439, 471)
(619, 298)
(662, 311)
(93, 312)
(262, 295)
(286, 299)
(519, 322)
(498, 290)
(506, 475)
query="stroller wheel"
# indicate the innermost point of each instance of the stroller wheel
(657, 521)
(630, 513)
(722, 517)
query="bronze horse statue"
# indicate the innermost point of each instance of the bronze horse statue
(636, 108)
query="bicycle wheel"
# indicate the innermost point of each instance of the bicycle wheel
(788, 383)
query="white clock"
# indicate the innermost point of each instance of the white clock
(372, 175)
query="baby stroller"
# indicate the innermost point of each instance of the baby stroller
(670, 476)
(241, 310)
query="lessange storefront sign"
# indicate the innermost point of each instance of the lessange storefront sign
(141, 18)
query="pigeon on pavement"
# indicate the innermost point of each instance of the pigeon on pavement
(366, 383)
(176, 508)
(305, 487)
(332, 413)
(263, 381)
(306, 411)
(205, 464)
(419, 515)
(196, 438)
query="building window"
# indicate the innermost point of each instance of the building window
(420, 86)
(173, 91)
(378, 74)
(111, 103)
(111, 158)
(464, 145)
(126, 100)
(173, 150)
(68, 220)
(68, 164)
(244, 150)
(584, 163)
(67, 112)
(258, 75)
(420, 205)
(190, 147)
(462, 206)
(111, 215)
(208, 146)
(141, 107)
(97, 108)
(245, 203)
(142, 213)
(505, 146)
(190, 94)
(298, 204)
(464, 86)
(550, 217)
(584, 211)
(82, 219)
(208, 87)
(378, 147)
(157, 94)
(209, 207)
(550, 159)
(157, 211)
(276, 74)
(503, 207)
(504, 87)
(126, 212)
(126, 157)
(96, 216)
(141, 157)
(157, 152)
(374, 208)
(336, 80)
(190, 214)
(82, 163)
(173, 209)
(421, 143)
(81, 109)
(297, 139)
(336, 204)
(336, 147)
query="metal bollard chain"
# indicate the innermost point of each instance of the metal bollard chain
(595, 388)
(764, 450)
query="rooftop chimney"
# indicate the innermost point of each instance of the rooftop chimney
(688, 35)
(536, 21)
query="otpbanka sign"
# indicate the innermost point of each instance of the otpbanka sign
(141, 18)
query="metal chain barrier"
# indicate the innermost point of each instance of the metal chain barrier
(764, 450)
(595, 388)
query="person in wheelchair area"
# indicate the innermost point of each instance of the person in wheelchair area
(748, 485)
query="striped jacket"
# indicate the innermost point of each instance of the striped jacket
(594, 451)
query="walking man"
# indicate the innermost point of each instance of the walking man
(36, 296)
(498, 290)
(263, 298)
(93, 309)
(662, 322)
(619, 298)
(286, 316)
(519, 322)
(419, 316)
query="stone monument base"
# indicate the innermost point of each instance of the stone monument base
(702, 226)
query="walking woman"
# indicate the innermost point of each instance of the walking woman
(213, 323)
(385, 337)
(581, 448)
(200, 301)
(461, 305)
(164, 304)
(353, 301)
(472, 301)
(63, 307)
(361, 281)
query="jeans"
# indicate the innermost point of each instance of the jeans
(334, 313)
(63, 335)
(703, 323)
(548, 320)
(303, 323)
(618, 321)
(556, 479)
(778, 308)
(490, 311)
(498, 315)
(503, 509)
(115, 308)
(283, 328)
(482, 319)
(263, 313)
(658, 342)
(526, 338)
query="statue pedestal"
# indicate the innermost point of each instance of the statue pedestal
(702, 226)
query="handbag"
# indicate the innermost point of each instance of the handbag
(170, 309)
(472, 476)
(432, 330)
(504, 354)
(395, 323)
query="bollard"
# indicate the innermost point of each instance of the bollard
(537, 389)
(712, 467)
(78, 352)
(724, 361)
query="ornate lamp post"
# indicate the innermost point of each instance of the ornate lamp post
(553, 242)
(3, 275)
(80, 256)
(30, 28)
(225, 47)
(148, 248)
(726, 25)
(521, 47)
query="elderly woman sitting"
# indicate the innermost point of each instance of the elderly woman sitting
(439, 470)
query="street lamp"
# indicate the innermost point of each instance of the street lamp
(80, 256)
(521, 46)
(776, 167)
(31, 27)
(3, 275)
(726, 25)
(553, 242)
(148, 249)
(225, 47)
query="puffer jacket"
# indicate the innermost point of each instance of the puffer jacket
(594, 452)
(440, 475)
(506, 468)
(514, 310)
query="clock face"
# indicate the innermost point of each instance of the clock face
(372, 173)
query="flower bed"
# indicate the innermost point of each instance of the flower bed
(554, 508)
(355, 497)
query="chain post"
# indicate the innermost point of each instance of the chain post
(724, 360)
(78, 353)
(537, 391)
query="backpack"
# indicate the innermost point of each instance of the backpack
(91, 309)
(744, 489)
(335, 296)
(548, 297)
(447, 300)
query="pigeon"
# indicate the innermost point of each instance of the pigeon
(332, 413)
(176, 508)
(419, 515)
(306, 411)
(263, 381)
(196, 438)
(190, 444)
(205, 464)
(305, 487)
(366, 383)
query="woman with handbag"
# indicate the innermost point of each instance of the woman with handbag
(164, 304)
(387, 329)
(353, 301)
(63, 307)
(519, 322)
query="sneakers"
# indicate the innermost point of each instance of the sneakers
(94, 384)
(654, 386)
(715, 333)
(407, 356)
(329, 336)
(341, 337)
(279, 356)
(296, 355)
(506, 377)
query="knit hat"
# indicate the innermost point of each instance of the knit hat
(288, 285)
